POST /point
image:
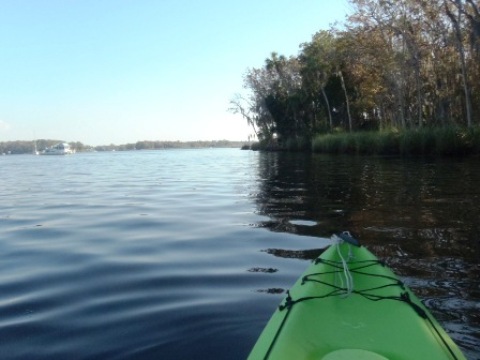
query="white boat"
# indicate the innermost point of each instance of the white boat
(59, 149)
(35, 150)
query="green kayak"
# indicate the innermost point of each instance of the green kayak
(349, 305)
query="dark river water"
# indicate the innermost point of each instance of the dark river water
(184, 254)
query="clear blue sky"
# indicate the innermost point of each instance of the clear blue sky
(118, 71)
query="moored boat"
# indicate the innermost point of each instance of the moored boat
(349, 305)
(58, 149)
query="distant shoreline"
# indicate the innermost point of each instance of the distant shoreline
(29, 147)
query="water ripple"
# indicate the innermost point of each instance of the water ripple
(183, 254)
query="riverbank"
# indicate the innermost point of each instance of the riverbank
(29, 147)
(443, 141)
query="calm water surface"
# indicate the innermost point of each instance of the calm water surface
(184, 254)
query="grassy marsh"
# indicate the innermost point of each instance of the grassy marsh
(445, 141)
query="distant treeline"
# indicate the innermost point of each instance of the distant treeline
(28, 147)
(156, 145)
(401, 65)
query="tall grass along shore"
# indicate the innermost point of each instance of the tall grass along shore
(445, 141)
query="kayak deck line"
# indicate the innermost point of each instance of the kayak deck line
(326, 287)
(339, 291)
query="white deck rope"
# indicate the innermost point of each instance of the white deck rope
(346, 281)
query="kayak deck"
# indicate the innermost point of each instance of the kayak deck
(348, 304)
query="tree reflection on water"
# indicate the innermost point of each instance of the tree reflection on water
(420, 216)
(296, 254)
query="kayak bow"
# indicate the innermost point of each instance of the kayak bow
(350, 305)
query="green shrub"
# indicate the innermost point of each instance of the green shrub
(297, 144)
